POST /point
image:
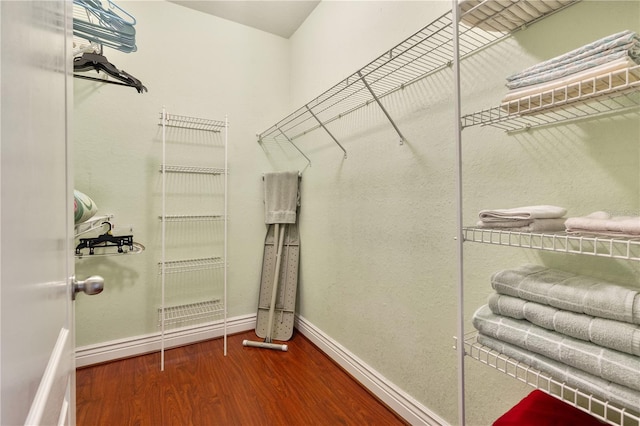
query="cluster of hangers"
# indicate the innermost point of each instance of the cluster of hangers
(112, 27)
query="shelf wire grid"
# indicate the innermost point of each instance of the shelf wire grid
(612, 92)
(192, 123)
(191, 170)
(424, 53)
(190, 265)
(595, 406)
(617, 248)
(191, 218)
(189, 313)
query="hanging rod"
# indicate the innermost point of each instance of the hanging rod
(421, 55)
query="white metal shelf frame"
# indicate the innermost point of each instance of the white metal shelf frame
(190, 313)
(595, 406)
(562, 242)
(612, 92)
(424, 53)
(200, 310)
(190, 265)
(566, 104)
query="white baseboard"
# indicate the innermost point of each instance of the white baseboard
(403, 404)
(400, 402)
(139, 345)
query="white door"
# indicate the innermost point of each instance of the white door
(36, 211)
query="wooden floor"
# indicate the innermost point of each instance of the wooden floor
(249, 387)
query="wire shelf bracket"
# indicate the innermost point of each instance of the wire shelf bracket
(384, 110)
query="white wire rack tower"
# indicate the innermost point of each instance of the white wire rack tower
(611, 92)
(202, 312)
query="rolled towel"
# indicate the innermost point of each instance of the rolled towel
(587, 383)
(604, 224)
(605, 363)
(522, 213)
(534, 225)
(569, 292)
(621, 336)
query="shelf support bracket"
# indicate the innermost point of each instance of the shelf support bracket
(294, 145)
(327, 130)
(402, 138)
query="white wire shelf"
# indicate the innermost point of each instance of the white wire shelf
(612, 92)
(427, 51)
(192, 123)
(95, 222)
(192, 312)
(597, 407)
(192, 218)
(617, 248)
(190, 265)
(192, 170)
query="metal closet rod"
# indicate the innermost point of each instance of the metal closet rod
(409, 57)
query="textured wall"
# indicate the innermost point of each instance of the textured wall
(378, 256)
(378, 260)
(193, 64)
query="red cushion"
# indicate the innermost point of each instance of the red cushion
(541, 409)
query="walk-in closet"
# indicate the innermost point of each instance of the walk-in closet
(467, 208)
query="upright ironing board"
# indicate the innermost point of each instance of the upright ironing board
(282, 327)
(279, 279)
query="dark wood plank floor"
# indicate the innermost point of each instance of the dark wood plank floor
(250, 386)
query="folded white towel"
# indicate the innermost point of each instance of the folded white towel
(525, 213)
(604, 224)
(280, 197)
(535, 225)
(608, 364)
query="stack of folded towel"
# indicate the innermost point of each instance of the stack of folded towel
(541, 218)
(602, 223)
(594, 68)
(580, 330)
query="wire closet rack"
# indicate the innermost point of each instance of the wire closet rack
(562, 242)
(424, 53)
(206, 310)
(560, 388)
(611, 92)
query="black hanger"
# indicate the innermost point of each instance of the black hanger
(105, 240)
(98, 62)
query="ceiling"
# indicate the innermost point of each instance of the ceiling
(276, 17)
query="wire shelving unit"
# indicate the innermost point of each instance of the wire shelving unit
(424, 53)
(199, 312)
(611, 92)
